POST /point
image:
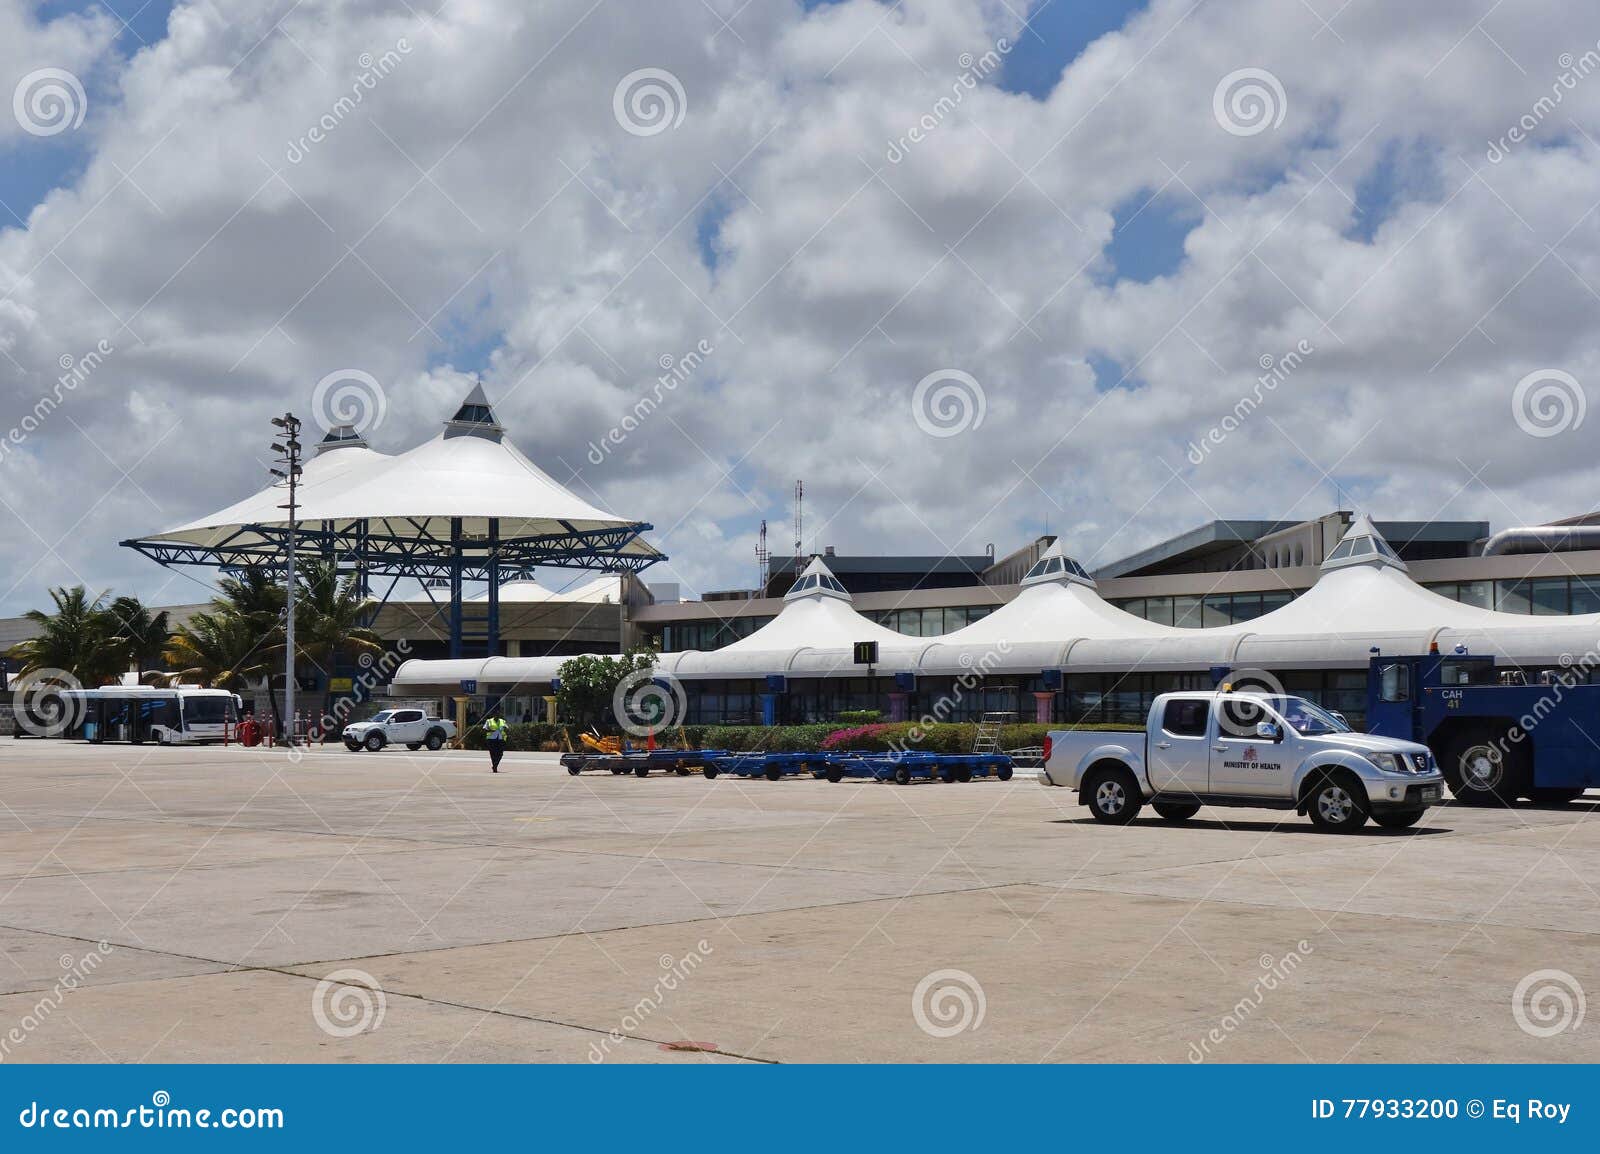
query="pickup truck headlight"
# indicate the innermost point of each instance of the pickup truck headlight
(1389, 762)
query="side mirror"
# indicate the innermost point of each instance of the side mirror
(1340, 718)
(1267, 731)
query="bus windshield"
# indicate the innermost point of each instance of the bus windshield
(208, 710)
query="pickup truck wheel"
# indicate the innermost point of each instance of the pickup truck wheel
(435, 741)
(1176, 810)
(1337, 805)
(413, 746)
(1113, 796)
(375, 741)
(1403, 820)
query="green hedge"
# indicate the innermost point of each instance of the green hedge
(526, 737)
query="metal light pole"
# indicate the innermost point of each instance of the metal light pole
(289, 457)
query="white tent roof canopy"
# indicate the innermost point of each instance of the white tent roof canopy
(1058, 621)
(469, 475)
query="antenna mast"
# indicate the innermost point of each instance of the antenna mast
(799, 551)
(763, 561)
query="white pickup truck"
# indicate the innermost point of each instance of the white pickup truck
(1244, 749)
(412, 728)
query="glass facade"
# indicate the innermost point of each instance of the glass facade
(1209, 611)
(1541, 596)
(929, 622)
(713, 634)
(1126, 698)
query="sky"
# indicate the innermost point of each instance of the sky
(973, 270)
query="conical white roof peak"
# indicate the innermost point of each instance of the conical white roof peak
(1362, 544)
(817, 580)
(341, 437)
(1054, 566)
(475, 417)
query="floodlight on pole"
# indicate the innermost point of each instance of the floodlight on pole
(289, 458)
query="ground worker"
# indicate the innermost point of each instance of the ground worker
(494, 735)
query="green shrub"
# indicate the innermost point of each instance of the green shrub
(860, 716)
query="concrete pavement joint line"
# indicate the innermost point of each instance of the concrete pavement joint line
(495, 1010)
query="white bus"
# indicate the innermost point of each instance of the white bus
(137, 713)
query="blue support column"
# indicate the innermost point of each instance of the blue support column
(769, 708)
(492, 626)
(455, 587)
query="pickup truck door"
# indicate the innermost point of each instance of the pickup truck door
(1179, 757)
(1243, 764)
(406, 726)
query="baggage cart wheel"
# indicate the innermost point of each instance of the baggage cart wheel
(711, 772)
(947, 774)
(1003, 773)
(774, 773)
(902, 775)
(834, 773)
(964, 774)
(641, 771)
(683, 771)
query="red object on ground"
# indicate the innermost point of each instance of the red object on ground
(249, 732)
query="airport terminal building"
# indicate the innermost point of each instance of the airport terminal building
(489, 574)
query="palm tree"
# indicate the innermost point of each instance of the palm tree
(240, 637)
(141, 635)
(331, 616)
(78, 638)
(219, 649)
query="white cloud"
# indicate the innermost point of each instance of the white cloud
(481, 195)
